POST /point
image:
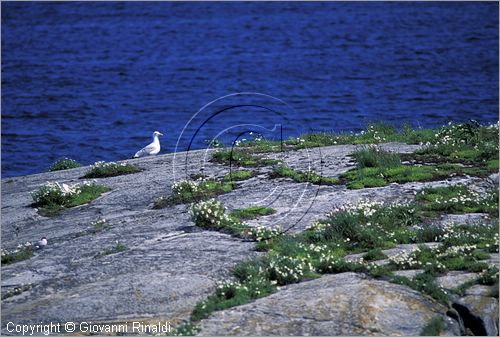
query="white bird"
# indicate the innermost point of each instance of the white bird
(41, 243)
(152, 149)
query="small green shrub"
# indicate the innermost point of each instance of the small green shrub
(480, 236)
(211, 214)
(375, 157)
(104, 170)
(64, 164)
(489, 276)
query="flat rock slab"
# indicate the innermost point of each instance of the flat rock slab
(409, 273)
(455, 279)
(169, 264)
(403, 248)
(341, 304)
(469, 219)
(162, 278)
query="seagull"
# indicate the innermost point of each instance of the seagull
(152, 149)
(41, 243)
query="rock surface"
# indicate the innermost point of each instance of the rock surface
(479, 310)
(170, 264)
(455, 279)
(341, 304)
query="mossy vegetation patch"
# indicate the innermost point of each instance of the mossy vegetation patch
(377, 168)
(52, 198)
(468, 141)
(366, 227)
(250, 213)
(239, 175)
(458, 199)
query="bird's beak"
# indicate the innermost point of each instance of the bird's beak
(159, 133)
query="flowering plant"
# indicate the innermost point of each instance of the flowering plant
(56, 193)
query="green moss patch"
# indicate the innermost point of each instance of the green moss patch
(383, 176)
(239, 175)
(251, 212)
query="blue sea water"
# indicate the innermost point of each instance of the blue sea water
(92, 81)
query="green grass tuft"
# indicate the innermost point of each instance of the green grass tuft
(375, 157)
(239, 175)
